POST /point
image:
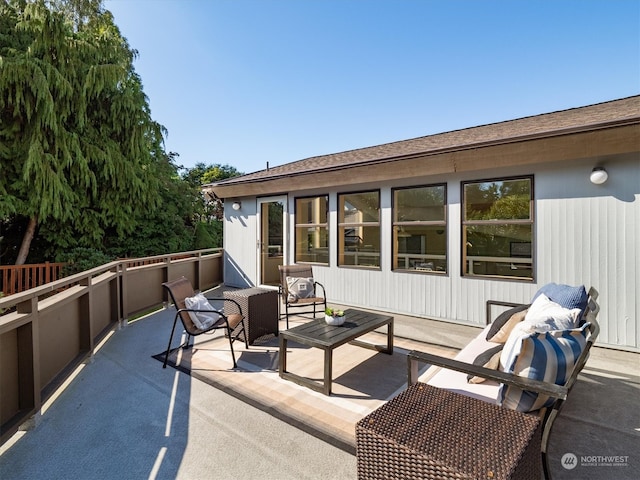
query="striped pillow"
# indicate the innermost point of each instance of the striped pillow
(547, 356)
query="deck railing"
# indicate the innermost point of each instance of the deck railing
(45, 332)
(18, 278)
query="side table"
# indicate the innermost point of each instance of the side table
(260, 310)
(432, 433)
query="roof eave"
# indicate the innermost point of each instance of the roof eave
(445, 162)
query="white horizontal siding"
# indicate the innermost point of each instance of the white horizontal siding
(584, 234)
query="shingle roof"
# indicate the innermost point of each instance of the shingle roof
(626, 110)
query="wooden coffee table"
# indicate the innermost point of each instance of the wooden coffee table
(318, 334)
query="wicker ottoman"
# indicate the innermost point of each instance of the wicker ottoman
(427, 432)
(260, 310)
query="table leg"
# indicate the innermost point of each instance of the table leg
(328, 368)
(282, 356)
(390, 337)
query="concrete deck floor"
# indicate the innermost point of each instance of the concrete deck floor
(123, 416)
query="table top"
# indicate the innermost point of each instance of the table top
(247, 292)
(317, 331)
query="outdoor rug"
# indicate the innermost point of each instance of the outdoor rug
(363, 379)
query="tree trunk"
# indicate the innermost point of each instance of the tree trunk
(26, 240)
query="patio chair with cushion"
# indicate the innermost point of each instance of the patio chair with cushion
(522, 365)
(198, 316)
(299, 290)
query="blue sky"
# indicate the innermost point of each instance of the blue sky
(246, 82)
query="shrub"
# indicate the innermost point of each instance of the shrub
(82, 258)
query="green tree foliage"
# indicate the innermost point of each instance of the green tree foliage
(164, 228)
(80, 152)
(83, 166)
(208, 211)
(203, 239)
(210, 208)
(82, 258)
(218, 172)
(498, 200)
(499, 206)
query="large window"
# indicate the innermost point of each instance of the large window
(497, 228)
(312, 229)
(359, 229)
(420, 229)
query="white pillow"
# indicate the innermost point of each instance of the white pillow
(199, 319)
(300, 287)
(544, 315)
(513, 345)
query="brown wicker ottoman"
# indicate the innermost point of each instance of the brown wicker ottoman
(427, 432)
(260, 310)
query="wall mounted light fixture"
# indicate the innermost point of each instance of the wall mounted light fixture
(236, 206)
(598, 176)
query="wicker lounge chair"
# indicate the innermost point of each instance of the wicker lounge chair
(444, 375)
(291, 297)
(181, 289)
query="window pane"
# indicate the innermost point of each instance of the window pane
(312, 244)
(419, 204)
(502, 250)
(312, 232)
(498, 200)
(311, 210)
(359, 207)
(421, 248)
(359, 229)
(359, 246)
(273, 212)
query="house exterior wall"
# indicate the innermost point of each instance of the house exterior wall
(239, 242)
(600, 223)
(584, 234)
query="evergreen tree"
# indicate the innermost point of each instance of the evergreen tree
(208, 211)
(164, 228)
(80, 152)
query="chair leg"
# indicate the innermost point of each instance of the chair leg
(244, 334)
(545, 466)
(286, 309)
(549, 418)
(166, 356)
(230, 335)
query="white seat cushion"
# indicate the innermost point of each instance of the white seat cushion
(457, 381)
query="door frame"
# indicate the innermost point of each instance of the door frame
(259, 240)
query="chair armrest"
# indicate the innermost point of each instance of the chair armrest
(199, 311)
(491, 303)
(318, 284)
(223, 299)
(415, 357)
